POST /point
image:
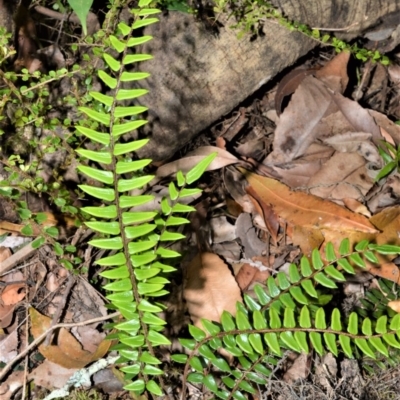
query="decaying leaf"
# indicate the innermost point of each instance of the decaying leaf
(210, 288)
(306, 210)
(184, 164)
(67, 351)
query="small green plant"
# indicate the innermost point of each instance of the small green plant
(391, 157)
(250, 16)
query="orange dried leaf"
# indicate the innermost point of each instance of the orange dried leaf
(304, 209)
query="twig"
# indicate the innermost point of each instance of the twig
(21, 254)
(36, 342)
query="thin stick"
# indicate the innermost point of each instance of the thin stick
(36, 342)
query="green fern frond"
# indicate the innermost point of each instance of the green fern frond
(136, 271)
(283, 316)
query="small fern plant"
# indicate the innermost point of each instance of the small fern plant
(288, 315)
(139, 240)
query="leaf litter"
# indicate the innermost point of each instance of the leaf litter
(317, 185)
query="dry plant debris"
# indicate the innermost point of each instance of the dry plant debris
(317, 185)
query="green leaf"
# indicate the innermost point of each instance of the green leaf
(136, 386)
(196, 364)
(123, 148)
(124, 167)
(103, 212)
(377, 343)
(122, 112)
(102, 138)
(272, 287)
(363, 346)
(288, 319)
(110, 228)
(298, 295)
(330, 340)
(381, 324)
(385, 248)
(196, 172)
(102, 98)
(227, 322)
(96, 115)
(133, 201)
(294, 275)
(336, 323)
(288, 339)
(166, 236)
(390, 339)
(108, 244)
(334, 273)
(256, 342)
(242, 321)
(322, 279)
(107, 79)
(133, 232)
(116, 273)
(120, 129)
(272, 341)
(81, 8)
(308, 287)
(320, 322)
(206, 352)
(133, 76)
(197, 333)
(147, 358)
(179, 358)
(157, 339)
(137, 247)
(346, 266)
(356, 258)
(330, 252)
(100, 193)
(144, 22)
(135, 41)
(305, 267)
(283, 282)
(148, 288)
(129, 94)
(117, 44)
(301, 339)
(112, 62)
(258, 320)
(125, 185)
(195, 377)
(316, 259)
(352, 326)
(97, 174)
(98, 156)
(210, 383)
(316, 341)
(129, 218)
(221, 364)
(243, 342)
(344, 247)
(305, 320)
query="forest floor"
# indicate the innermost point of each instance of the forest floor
(244, 237)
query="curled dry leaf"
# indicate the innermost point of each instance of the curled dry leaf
(67, 351)
(210, 288)
(303, 209)
(223, 159)
(394, 305)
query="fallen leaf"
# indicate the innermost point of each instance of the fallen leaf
(186, 163)
(51, 375)
(394, 305)
(67, 352)
(210, 288)
(304, 209)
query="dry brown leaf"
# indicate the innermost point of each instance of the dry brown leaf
(343, 175)
(67, 352)
(223, 159)
(334, 73)
(303, 209)
(51, 375)
(356, 206)
(210, 288)
(394, 305)
(296, 128)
